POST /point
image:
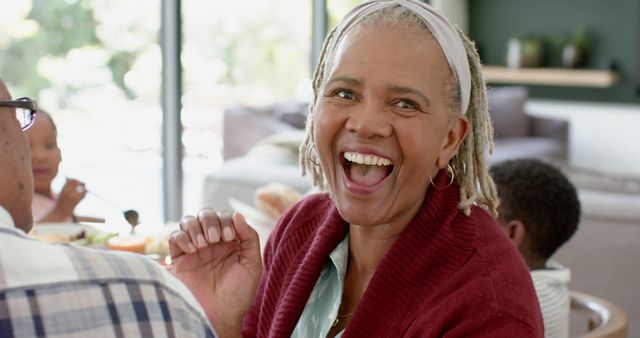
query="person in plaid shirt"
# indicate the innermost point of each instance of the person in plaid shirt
(67, 291)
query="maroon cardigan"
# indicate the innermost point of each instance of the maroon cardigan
(447, 275)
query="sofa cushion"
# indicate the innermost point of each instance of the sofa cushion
(518, 147)
(603, 195)
(287, 141)
(293, 113)
(506, 106)
(602, 181)
(245, 126)
(240, 177)
(607, 205)
(556, 129)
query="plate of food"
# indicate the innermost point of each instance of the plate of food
(70, 233)
(157, 237)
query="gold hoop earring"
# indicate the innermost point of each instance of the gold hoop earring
(452, 174)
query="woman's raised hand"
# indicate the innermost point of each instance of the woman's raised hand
(217, 256)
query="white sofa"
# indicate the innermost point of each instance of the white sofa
(274, 159)
(604, 254)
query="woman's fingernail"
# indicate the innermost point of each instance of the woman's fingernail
(214, 235)
(191, 248)
(201, 241)
(241, 216)
(228, 234)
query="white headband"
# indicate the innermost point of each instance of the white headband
(443, 31)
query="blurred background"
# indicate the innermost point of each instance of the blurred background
(96, 66)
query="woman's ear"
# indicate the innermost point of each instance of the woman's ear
(458, 128)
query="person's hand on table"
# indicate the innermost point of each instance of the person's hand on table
(218, 257)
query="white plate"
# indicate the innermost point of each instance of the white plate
(63, 232)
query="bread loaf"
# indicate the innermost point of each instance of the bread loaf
(274, 198)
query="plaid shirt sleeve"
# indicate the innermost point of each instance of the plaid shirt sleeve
(67, 291)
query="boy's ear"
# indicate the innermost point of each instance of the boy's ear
(516, 231)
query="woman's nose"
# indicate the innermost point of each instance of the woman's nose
(368, 120)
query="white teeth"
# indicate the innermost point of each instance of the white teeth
(366, 159)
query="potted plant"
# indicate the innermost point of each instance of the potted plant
(575, 49)
(525, 52)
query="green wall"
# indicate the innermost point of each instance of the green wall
(614, 25)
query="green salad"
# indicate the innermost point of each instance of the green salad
(97, 239)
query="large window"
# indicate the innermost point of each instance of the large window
(95, 65)
(243, 52)
(337, 9)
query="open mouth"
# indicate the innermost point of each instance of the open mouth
(366, 169)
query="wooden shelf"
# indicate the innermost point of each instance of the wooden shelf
(551, 76)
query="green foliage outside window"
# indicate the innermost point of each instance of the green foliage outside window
(57, 27)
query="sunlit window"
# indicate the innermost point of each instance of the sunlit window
(95, 65)
(336, 9)
(244, 52)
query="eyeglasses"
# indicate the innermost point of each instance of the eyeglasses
(25, 110)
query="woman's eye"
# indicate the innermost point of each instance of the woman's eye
(404, 104)
(345, 94)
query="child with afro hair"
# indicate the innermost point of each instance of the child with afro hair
(540, 211)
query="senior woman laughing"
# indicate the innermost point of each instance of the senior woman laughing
(403, 242)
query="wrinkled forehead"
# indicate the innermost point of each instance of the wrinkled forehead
(347, 40)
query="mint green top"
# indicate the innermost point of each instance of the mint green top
(324, 302)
